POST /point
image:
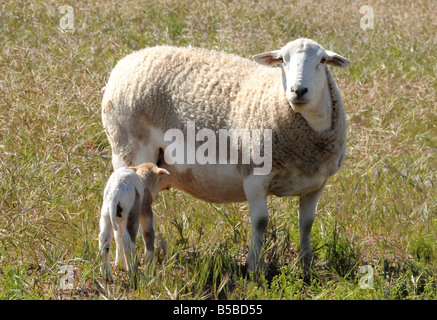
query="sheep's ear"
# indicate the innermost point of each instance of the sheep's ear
(268, 58)
(162, 172)
(336, 60)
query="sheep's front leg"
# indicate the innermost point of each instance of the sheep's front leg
(259, 217)
(307, 212)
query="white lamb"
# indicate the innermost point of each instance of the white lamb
(127, 203)
(157, 89)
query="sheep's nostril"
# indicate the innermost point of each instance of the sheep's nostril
(298, 95)
(299, 92)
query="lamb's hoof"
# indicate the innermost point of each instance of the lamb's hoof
(161, 245)
(106, 274)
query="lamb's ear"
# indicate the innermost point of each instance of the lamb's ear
(162, 172)
(268, 58)
(336, 60)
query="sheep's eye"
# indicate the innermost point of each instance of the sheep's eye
(280, 59)
(323, 60)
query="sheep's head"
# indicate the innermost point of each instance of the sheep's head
(303, 64)
(151, 174)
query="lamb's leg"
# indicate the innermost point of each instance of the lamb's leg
(105, 237)
(307, 211)
(129, 252)
(119, 250)
(146, 221)
(160, 241)
(259, 217)
(155, 154)
(130, 234)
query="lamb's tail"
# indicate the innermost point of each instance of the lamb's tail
(114, 211)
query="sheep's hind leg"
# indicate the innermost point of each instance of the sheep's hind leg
(117, 161)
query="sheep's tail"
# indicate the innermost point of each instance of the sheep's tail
(114, 210)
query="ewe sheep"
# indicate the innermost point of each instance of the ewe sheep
(157, 89)
(127, 203)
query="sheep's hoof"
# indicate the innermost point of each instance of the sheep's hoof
(257, 269)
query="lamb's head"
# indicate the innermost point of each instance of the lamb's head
(303, 63)
(151, 175)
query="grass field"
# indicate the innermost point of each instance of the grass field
(378, 215)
